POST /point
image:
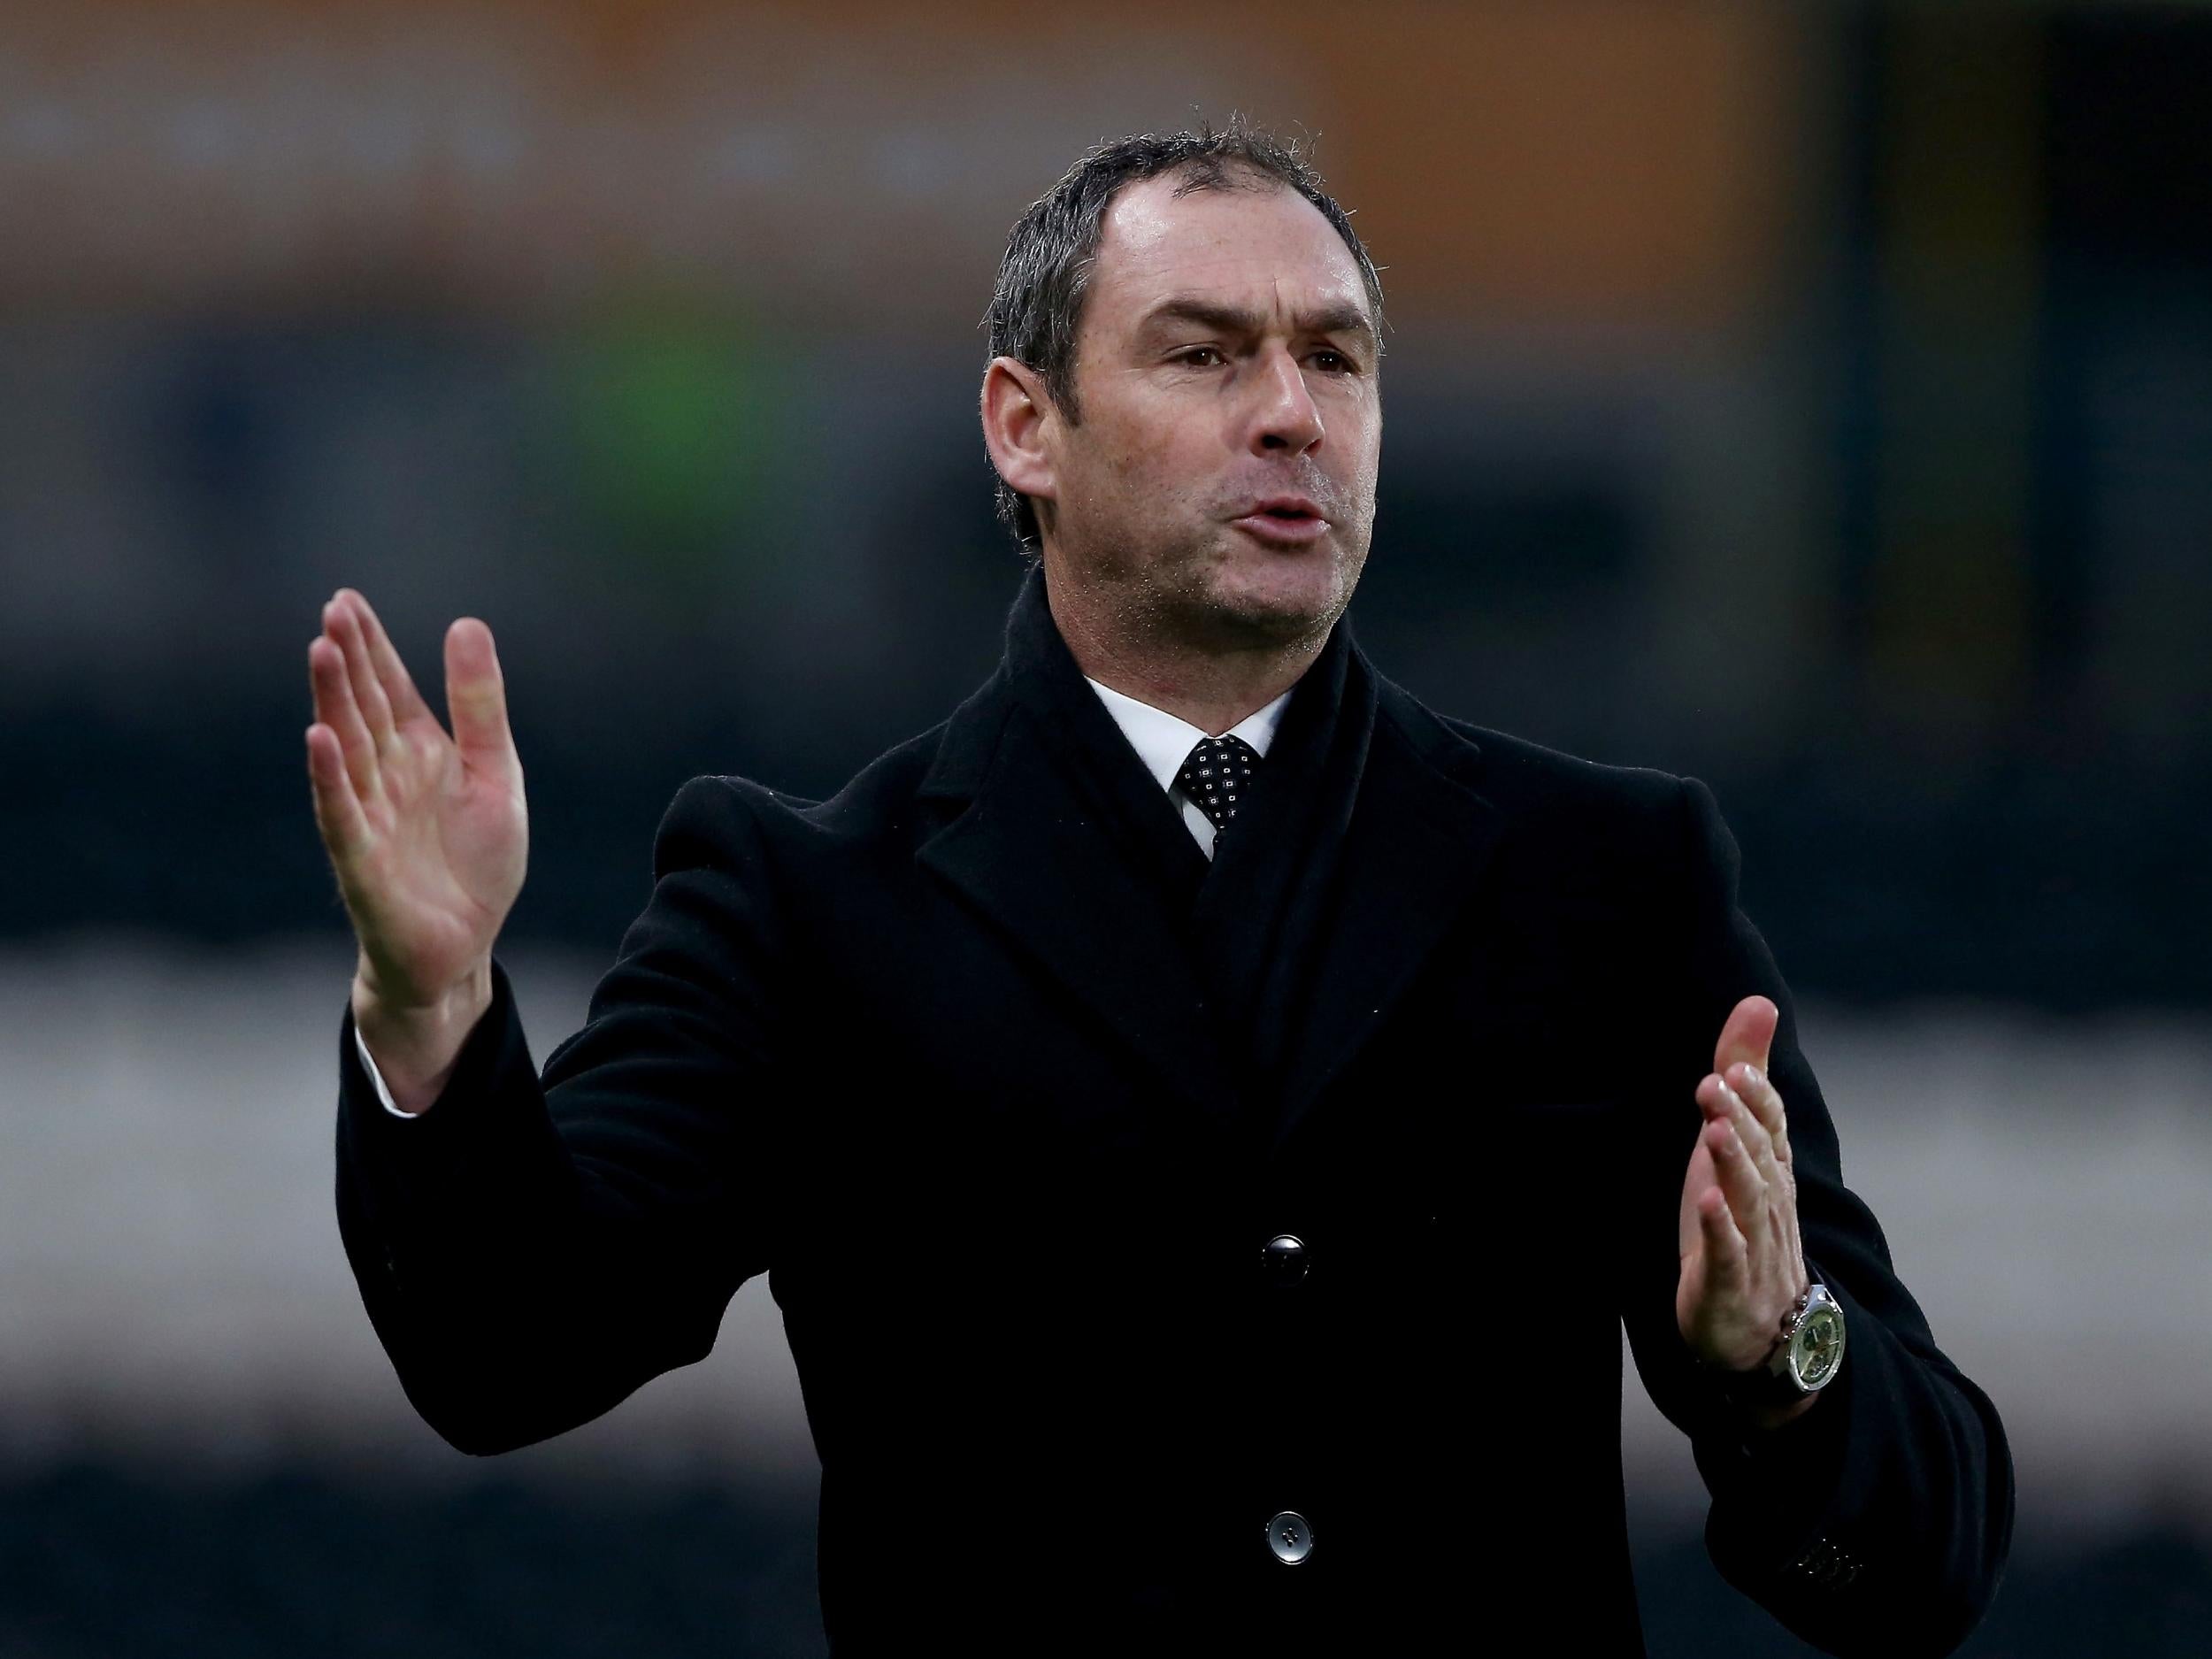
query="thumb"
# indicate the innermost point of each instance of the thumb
(476, 699)
(1749, 1035)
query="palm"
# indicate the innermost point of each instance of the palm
(445, 860)
(428, 833)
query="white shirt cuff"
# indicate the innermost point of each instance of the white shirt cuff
(383, 1089)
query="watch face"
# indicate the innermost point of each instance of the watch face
(1817, 1348)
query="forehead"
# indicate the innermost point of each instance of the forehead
(1260, 247)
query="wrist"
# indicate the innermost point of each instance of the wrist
(393, 1004)
(417, 1043)
(1805, 1359)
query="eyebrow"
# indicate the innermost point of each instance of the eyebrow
(1234, 319)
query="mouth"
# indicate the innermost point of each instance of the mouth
(1287, 520)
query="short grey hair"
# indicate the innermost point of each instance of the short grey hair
(1044, 276)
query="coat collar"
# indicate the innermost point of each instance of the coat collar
(1064, 841)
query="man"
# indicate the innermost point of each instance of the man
(1205, 1117)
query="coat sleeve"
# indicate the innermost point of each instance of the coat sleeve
(532, 1250)
(1878, 1522)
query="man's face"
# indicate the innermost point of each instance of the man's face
(1219, 489)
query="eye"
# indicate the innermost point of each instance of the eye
(1334, 361)
(1191, 354)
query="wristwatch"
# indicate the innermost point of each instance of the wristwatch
(1805, 1359)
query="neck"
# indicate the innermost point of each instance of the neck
(1212, 689)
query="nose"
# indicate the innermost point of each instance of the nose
(1287, 418)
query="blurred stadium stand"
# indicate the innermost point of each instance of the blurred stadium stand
(1886, 514)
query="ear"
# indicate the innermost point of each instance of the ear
(1019, 426)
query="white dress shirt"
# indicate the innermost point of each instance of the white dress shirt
(1162, 741)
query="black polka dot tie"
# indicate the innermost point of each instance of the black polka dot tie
(1217, 776)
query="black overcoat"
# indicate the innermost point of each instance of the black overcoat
(1007, 1091)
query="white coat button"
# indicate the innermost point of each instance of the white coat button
(1290, 1538)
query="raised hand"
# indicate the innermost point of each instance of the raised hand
(427, 834)
(1743, 1264)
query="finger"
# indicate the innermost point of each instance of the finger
(476, 700)
(1781, 1176)
(1740, 1182)
(1727, 1258)
(335, 708)
(391, 674)
(1747, 1035)
(338, 813)
(1720, 1101)
(1757, 1091)
(368, 694)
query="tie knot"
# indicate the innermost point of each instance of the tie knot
(1216, 776)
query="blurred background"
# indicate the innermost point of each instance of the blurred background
(1814, 398)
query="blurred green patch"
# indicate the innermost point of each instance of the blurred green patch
(672, 438)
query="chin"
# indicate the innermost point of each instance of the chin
(1286, 597)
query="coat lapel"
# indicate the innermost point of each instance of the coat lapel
(1418, 840)
(1066, 844)
(1258, 913)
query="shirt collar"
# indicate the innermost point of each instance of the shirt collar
(1163, 740)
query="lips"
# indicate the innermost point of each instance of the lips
(1283, 519)
(1289, 508)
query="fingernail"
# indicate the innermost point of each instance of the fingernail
(1751, 1076)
